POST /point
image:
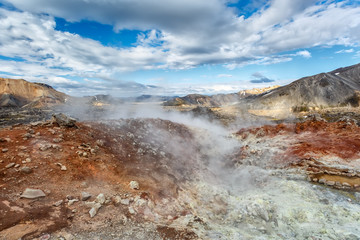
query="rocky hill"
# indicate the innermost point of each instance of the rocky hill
(336, 88)
(21, 93)
(215, 100)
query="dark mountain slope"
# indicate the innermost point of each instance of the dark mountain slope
(336, 88)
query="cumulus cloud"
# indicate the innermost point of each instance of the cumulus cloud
(178, 34)
(207, 31)
(260, 78)
(304, 53)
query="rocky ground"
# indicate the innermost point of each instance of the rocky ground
(180, 178)
(11, 116)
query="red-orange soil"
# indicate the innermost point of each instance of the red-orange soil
(99, 158)
(328, 151)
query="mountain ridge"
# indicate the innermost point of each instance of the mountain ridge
(339, 87)
(21, 93)
(216, 100)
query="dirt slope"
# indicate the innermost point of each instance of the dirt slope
(95, 158)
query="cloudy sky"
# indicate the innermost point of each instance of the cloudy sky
(174, 47)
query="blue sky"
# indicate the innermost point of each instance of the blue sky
(161, 47)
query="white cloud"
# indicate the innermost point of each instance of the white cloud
(206, 31)
(357, 55)
(345, 51)
(304, 53)
(34, 39)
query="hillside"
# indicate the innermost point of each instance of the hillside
(21, 93)
(215, 100)
(336, 88)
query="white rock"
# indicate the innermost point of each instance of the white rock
(131, 210)
(90, 204)
(32, 193)
(125, 201)
(93, 211)
(85, 196)
(26, 170)
(100, 198)
(330, 183)
(116, 200)
(10, 165)
(72, 201)
(134, 185)
(58, 203)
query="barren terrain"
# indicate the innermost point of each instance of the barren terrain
(182, 178)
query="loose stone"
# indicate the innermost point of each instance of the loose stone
(85, 196)
(10, 165)
(32, 193)
(26, 170)
(134, 185)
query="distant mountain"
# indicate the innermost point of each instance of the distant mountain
(148, 98)
(21, 93)
(336, 88)
(214, 100)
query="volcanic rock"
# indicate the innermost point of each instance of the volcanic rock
(26, 170)
(58, 203)
(93, 211)
(330, 183)
(131, 210)
(32, 193)
(62, 167)
(116, 200)
(95, 206)
(63, 120)
(125, 201)
(100, 198)
(72, 201)
(10, 165)
(85, 196)
(134, 185)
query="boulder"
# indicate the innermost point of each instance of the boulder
(63, 120)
